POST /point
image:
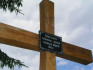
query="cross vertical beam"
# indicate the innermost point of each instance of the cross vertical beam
(47, 59)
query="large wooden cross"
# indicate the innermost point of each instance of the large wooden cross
(24, 39)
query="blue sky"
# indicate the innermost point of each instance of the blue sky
(73, 22)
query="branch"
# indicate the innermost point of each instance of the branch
(5, 60)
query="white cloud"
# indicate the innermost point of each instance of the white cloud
(57, 58)
(78, 68)
(62, 63)
(74, 22)
(30, 25)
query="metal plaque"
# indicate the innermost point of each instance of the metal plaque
(50, 42)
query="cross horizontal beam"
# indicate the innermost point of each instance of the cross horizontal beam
(24, 39)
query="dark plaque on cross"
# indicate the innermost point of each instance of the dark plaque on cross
(50, 42)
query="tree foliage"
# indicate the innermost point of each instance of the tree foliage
(5, 60)
(11, 5)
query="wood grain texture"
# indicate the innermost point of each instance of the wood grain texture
(18, 37)
(77, 54)
(24, 39)
(47, 59)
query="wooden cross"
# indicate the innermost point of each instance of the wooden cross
(24, 39)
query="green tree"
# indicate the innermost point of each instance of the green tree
(11, 5)
(5, 60)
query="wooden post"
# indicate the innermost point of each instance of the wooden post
(47, 59)
(28, 40)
